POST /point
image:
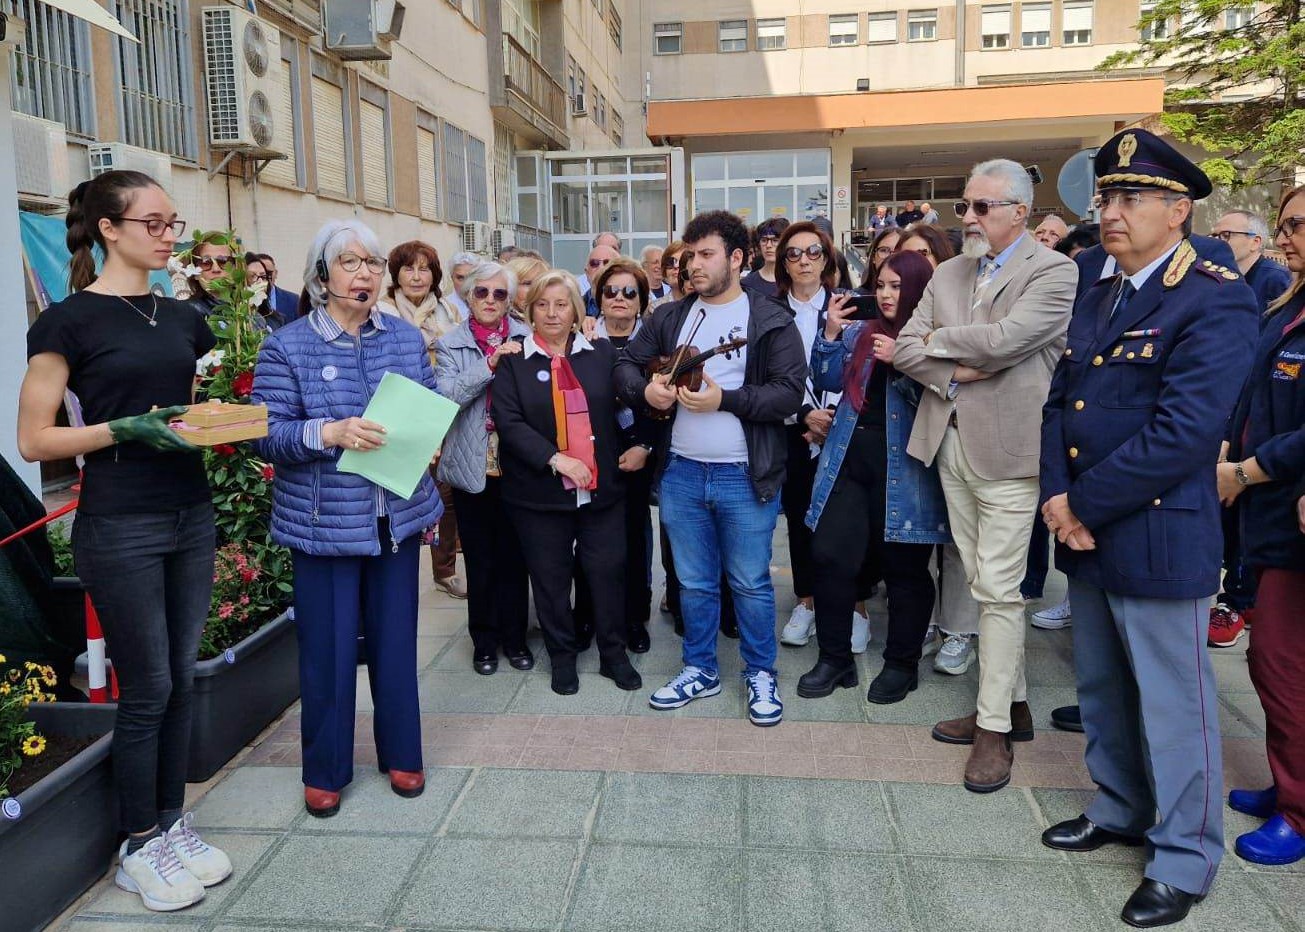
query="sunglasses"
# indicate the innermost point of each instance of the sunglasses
(1289, 226)
(155, 227)
(480, 292)
(208, 262)
(980, 207)
(629, 292)
(598, 263)
(794, 253)
(351, 263)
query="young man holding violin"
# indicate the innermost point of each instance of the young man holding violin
(721, 460)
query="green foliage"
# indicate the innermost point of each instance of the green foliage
(18, 737)
(61, 544)
(1234, 92)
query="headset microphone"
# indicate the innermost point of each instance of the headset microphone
(360, 296)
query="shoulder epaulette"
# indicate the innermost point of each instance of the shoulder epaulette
(1182, 262)
(1219, 273)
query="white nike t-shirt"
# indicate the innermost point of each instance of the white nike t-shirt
(715, 436)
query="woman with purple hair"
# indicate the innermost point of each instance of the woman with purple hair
(872, 503)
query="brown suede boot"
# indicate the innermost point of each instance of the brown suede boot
(988, 768)
(961, 730)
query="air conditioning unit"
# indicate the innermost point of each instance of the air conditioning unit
(503, 238)
(117, 156)
(242, 74)
(361, 29)
(477, 236)
(41, 157)
(579, 106)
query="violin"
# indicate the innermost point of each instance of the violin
(684, 367)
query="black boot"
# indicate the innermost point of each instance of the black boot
(636, 638)
(622, 674)
(822, 679)
(565, 681)
(891, 685)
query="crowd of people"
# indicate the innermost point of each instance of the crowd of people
(1131, 388)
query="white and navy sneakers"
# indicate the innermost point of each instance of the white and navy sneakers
(764, 705)
(692, 683)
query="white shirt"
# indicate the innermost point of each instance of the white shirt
(715, 436)
(578, 345)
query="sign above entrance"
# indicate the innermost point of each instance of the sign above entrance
(842, 198)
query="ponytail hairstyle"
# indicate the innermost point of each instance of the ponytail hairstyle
(104, 197)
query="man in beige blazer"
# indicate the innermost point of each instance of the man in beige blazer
(983, 342)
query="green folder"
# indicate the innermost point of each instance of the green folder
(415, 420)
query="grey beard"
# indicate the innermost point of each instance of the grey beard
(975, 247)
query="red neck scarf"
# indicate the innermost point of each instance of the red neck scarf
(575, 433)
(489, 339)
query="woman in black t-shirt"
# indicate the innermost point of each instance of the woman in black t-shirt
(143, 539)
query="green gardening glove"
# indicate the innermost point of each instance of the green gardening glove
(151, 429)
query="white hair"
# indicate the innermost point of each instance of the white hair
(331, 240)
(483, 272)
(1254, 224)
(648, 251)
(1019, 186)
(465, 258)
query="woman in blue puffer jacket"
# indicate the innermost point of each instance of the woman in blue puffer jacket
(356, 547)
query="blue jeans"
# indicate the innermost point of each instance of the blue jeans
(714, 519)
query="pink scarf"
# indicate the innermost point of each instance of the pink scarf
(488, 340)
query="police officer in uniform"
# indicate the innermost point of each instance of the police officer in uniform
(1130, 437)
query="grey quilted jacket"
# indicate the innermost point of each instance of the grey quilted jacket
(462, 376)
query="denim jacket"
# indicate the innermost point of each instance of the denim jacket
(916, 510)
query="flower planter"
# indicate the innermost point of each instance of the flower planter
(240, 693)
(58, 836)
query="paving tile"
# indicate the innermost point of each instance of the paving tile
(1282, 890)
(452, 691)
(244, 851)
(174, 922)
(821, 892)
(253, 797)
(1245, 718)
(675, 809)
(825, 814)
(728, 704)
(1233, 903)
(983, 896)
(322, 878)
(844, 705)
(1049, 668)
(1057, 805)
(526, 803)
(369, 805)
(931, 703)
(697, 888)
(1231, 672)
(488, 884)
(950, 820)
(597, 696)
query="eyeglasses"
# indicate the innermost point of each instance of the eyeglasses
(480, 292)
(768, 240)
(629, 292)
(980, 207)
(1126, 200)
(883, 250)
(1227, 235)
(351, 263)
(1289, 226)
(795, 253)
(598, 263)
(671, 264)
(208, 262)
(155, 227)
(257, 277)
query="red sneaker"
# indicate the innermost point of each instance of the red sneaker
(1226, 627)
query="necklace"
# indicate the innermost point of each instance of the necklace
(152, 317)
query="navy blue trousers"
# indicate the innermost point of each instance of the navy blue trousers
(335, 598)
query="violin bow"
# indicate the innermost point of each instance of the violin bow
(684, 349)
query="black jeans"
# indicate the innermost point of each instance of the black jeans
(795, 499)
(497, 598)
(557, 540)
(850, 534)
(638, 557)
(1239, 582)
(150, 578)
(1038, 562)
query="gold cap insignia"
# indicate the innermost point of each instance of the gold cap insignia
(1127, 149)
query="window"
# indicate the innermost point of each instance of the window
(331, 136)
(770, 34)
(843, 29)
(428, 164)
(50, 72)
(668, 38)
(921, 25)
(156, 76)
(477, 180)
(614, 24)
(502, 175)
(732, 35)
(373, 121)
(995, 27)
(618, 128)
(455, 174)
(1077, 23)
(881, 27)
(571, 70)
(287, 120)
(1237, 17)
(600, 111)
(1035, 25)
(521, 22)
(1156, 30)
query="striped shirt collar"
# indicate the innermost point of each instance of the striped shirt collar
(329, 330)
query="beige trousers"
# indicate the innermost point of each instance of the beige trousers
(991, 522)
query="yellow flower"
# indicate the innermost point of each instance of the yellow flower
(2, 658)
(47, 675)
(33, 745)
(5, 689)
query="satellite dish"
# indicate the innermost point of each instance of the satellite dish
(1077, 182)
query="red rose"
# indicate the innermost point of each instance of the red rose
(224, 449)
(243, 384)
(268, 473)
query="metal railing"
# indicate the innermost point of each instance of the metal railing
(528, 78)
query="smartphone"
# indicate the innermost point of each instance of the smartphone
(864, 306)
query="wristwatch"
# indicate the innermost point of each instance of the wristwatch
(1242, 479)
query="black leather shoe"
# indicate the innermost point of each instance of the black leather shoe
(1157, 904)
(1082, 834)
(521, 659)
(636, 638)
(1067, 718)
(892, 685)
(565, 681)
(822, 679)
(623, 675)
(485, 664)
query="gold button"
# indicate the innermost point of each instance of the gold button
(1078, 405)
(1097, 360)
(1131, 356)
(1156, 502)
(1073, 452)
